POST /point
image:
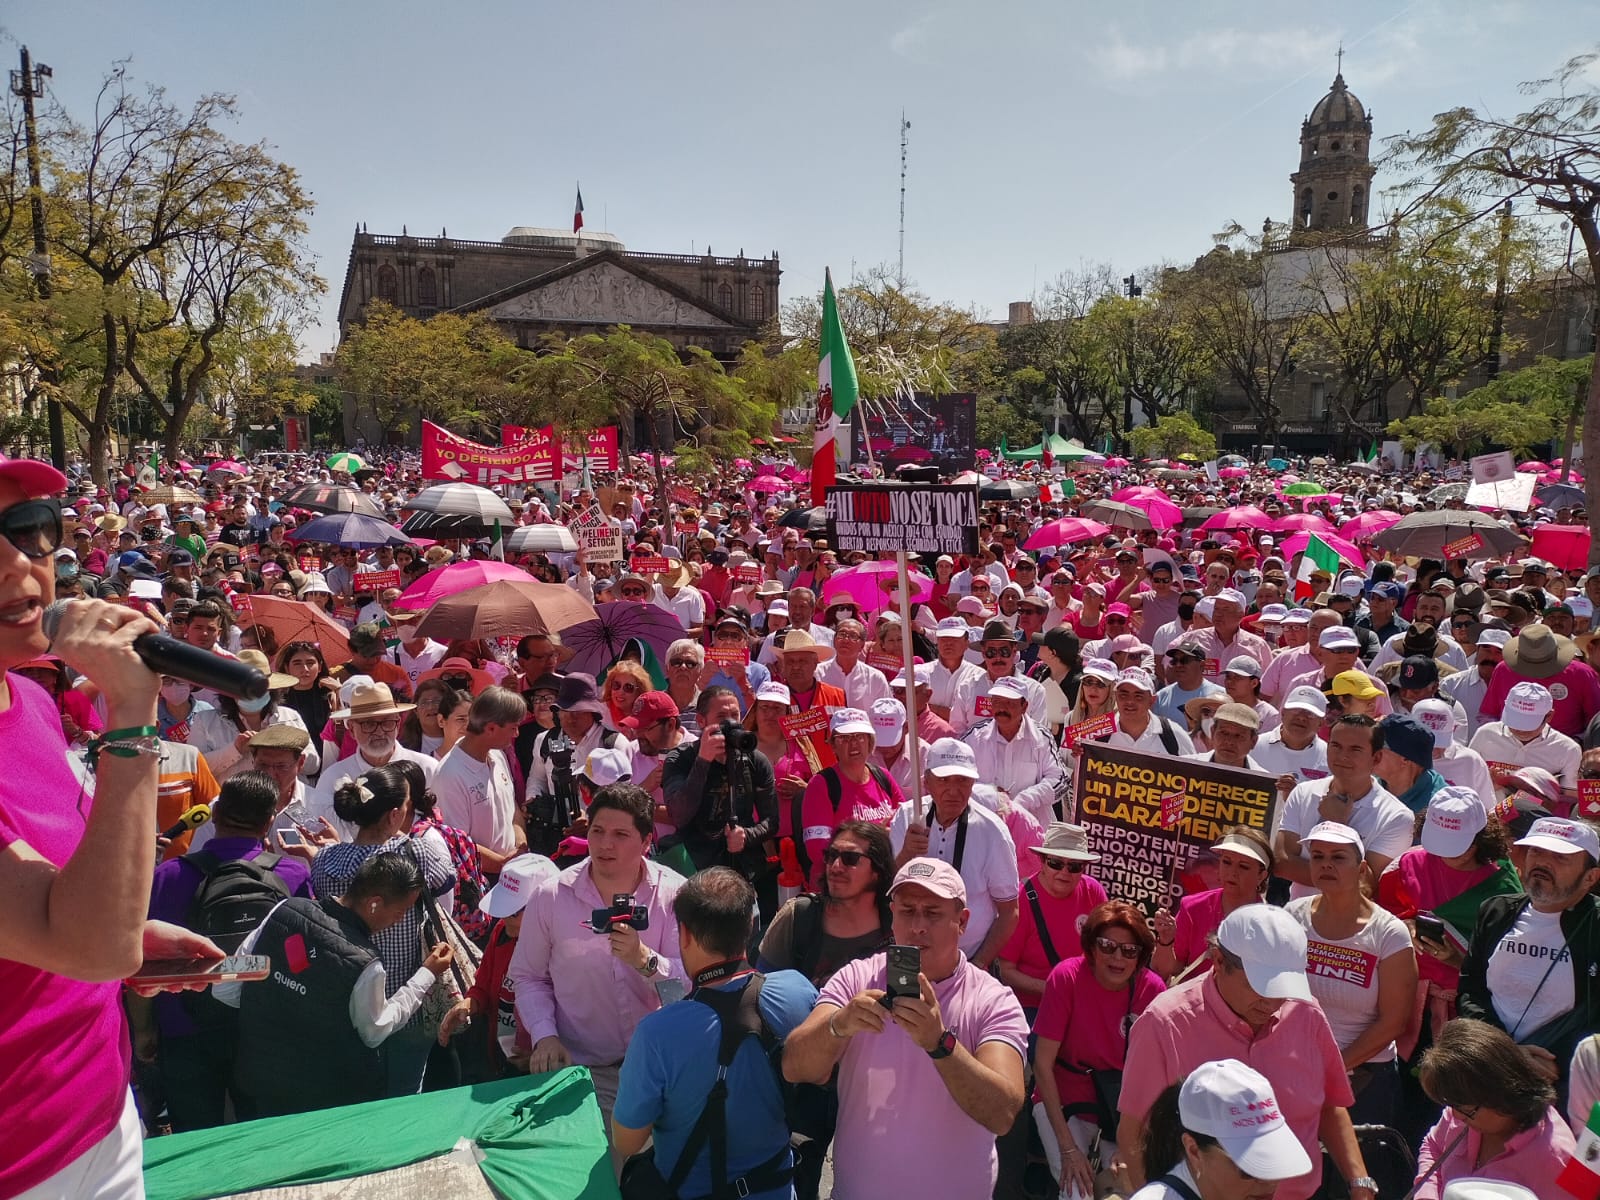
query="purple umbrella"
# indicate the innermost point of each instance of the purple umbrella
(596, 644)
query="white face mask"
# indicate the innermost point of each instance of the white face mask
(1207, 724)
(176, 693)
(257, 705)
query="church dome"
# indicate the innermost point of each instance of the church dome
(1338, 107)
(533, 235)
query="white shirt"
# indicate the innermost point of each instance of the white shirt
(1555, 752)
(945, 681)
(1466, 688)
(478, 798)
(426, 659)
(1149, 742)
(899, 770)
(374, 1017)
(687, 604)
(861, 686)
(1343, 973)
(767, 656)
(213, 734)
(1528, 992)
(1278, 759)
(539, 783)
(1382, 821)
(1027, 768)
(988, 861)
(964, 712)
(1160, 1191)
(1464, 767)
(1164, 636)
(320, 801)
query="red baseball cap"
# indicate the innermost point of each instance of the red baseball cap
(648, 709)
(32, 476)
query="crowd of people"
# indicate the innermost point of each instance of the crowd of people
(471, 858)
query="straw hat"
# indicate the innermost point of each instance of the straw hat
(1071, 842)
(371, 700)
(258, 660)
(799, 641)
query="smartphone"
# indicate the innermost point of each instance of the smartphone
(1430, 927)
(904, 965)
(291, 837)
(174, 971)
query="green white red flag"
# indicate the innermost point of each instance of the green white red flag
(1318, 556)
(1581, 1176)
(837, 391)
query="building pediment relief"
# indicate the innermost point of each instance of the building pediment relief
(605, 294)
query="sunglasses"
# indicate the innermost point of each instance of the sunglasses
(999, 651)
(33, 527)
(849, 858)
(682, 662)
(1062, 864)
(1116, 620)
(1129, 950)
(627, 685)
(633, 593)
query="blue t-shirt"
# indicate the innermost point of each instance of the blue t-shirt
(1171, 699)
(671, 1066)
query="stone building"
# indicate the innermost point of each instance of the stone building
(1333, 186)
(534, 282)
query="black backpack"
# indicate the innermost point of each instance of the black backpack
(830, 780)
(234, 897)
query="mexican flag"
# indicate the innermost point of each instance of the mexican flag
(1581, 1176)
(1318, 555)
(577, 212)
(1372, 453)
(836, 394)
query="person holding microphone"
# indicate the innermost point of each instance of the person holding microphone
(76, 875)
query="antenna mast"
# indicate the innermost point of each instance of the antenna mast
(905, 126)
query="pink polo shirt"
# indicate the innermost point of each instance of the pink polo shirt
(1192, 1024)
(1575, 689)
(900, 1131)
(1063, 918)
(1532, 1158)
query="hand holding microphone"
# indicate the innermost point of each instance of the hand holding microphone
(72, 628)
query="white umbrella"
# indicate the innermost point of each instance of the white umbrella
(541, 539)
(461, 500)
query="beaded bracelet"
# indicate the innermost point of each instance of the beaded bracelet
(124, 743)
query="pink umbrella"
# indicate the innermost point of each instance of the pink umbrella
(767, 483)
(871, 583)
(1303, 522)
(741, 464)
(1233, 473)
(1137, 492)
(228, 467)
(1346, 548)
(984, 456)
(1566, 546)
(1533, 468)
(1574, 479)
(794, 474)
(1242, 516)
(457, 577)
(1066, 532)
(1368, 523)
(1118, 462)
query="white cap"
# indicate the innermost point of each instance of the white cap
(1243, 664)
(1339, 637)
(1297, 616)
(1349, 585)
(1100, 668)
(1440, 718)
(1456, 815)
(1493, 637)
(778, 608)
(1272, 946)
(604, 767)
(922, 673)
(888, 720)
(849, 720)
(1234, 1104)
(968, 604)
(948, 756)
(1337, 833)
(775, 692)
(1308, 698)
(518, 878)
(953, 627)
(1205, 606)
(1485, 1189)
(1582, 607)
(1563, 837)
(1139, 677)
(1273, 614)
(1232, 596)
(1008, 687)
(1526, 707)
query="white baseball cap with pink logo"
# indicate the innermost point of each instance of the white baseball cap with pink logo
(1563, 837)
(1234, 1103)
(1456, 815)
(1527, 705)
(518, 879)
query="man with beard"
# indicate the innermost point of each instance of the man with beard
(374, 721)
(1534, 958)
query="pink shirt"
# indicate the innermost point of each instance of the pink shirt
(1091, 1024)
(63, 1044)
(1192, 1024)
(1198, 915)
(1532, 1158)
(1220, 653)
(857, 802)
(900, 1131)
(1415, 883)
(1063, 918)
(567, 981)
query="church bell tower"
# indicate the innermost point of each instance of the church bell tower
(1333, 187)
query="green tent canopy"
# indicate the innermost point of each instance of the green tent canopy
(1058, 447)
(539, 1136)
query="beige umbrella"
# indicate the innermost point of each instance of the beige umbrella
(506, 608)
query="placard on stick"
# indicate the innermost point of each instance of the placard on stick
(917, 518)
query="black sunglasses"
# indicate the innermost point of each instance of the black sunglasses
(849, 858)
(1127, 949)
(1061, 864)
(33, 527)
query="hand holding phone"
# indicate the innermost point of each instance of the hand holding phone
(903, 965)
(189, 972)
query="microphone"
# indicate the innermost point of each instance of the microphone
(191, 820)
(166, 655)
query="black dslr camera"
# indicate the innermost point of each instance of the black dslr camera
(623, 911)
(738, 739)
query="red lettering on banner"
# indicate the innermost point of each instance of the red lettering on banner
(981, 707)
(375, 581)
(446, 455)
(1589, 798)
(650, 566)
(1343, 963)
(1085, 730)
(804, 724)
(728, 656)
(747, 573)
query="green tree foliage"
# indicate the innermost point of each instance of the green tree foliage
(999, 417)
(1518, 410)
(1148, 352)
(1549, 154)
(1171, 436)
(1057, 361)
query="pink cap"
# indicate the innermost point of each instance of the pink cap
(1118, 610)
(938, 876)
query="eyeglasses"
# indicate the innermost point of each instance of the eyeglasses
(849, 858)
(633, 593)
(1129, 950)
(375, 724)
(33, 527)
(999, 651)
(1062, 864)
(1468, 1111)
(682, 662)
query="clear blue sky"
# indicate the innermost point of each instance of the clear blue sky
(1044, 133)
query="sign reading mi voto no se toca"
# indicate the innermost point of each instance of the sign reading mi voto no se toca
(925, 519)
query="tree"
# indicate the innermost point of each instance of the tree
(998, 417)
(639, 381)
(1171, 436)
(1149, 354)
(1057, 361)
(1551, 154)
(1520, 410)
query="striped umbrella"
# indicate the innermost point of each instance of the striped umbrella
(346, 462)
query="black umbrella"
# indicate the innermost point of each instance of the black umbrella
(462, 500)
(333, 498)
(1008, 489)
(807, 520)
(1561, 495)
(1193, 516)
(1425, 534)
(440, 526)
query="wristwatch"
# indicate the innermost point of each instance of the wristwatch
(650, 965)
(1366, 1181)
(946, 1046)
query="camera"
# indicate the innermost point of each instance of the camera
(623, 911)
(738, 739)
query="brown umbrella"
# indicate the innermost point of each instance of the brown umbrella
(296, 621)
(506, 608)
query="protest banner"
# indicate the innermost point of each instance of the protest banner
(920, 519)
(447, 455)
(1589, 799)
(888, 663)
(747, 573)
(805, 724)
(1120, 796)
(598, 537)
(728, 656)
(1514, 494)
(375, 581)
(1463, 547)
(1084, 731)
(1491, 468)
(650, 565)
(310, 563)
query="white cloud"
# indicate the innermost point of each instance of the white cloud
(1228, 49)
(1121, 59)
(915, 41)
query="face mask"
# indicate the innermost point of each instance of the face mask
(255, 706)
(67, 571)
(1206, 724)
(175, 693)
(1186, 611)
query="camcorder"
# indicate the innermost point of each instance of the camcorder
(623, 911)
(551, 814)
(737, 738)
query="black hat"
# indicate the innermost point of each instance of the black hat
(1418, 672)
(1190, 650)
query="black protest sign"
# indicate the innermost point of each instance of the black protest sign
(920, 519)
(1120, 795)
